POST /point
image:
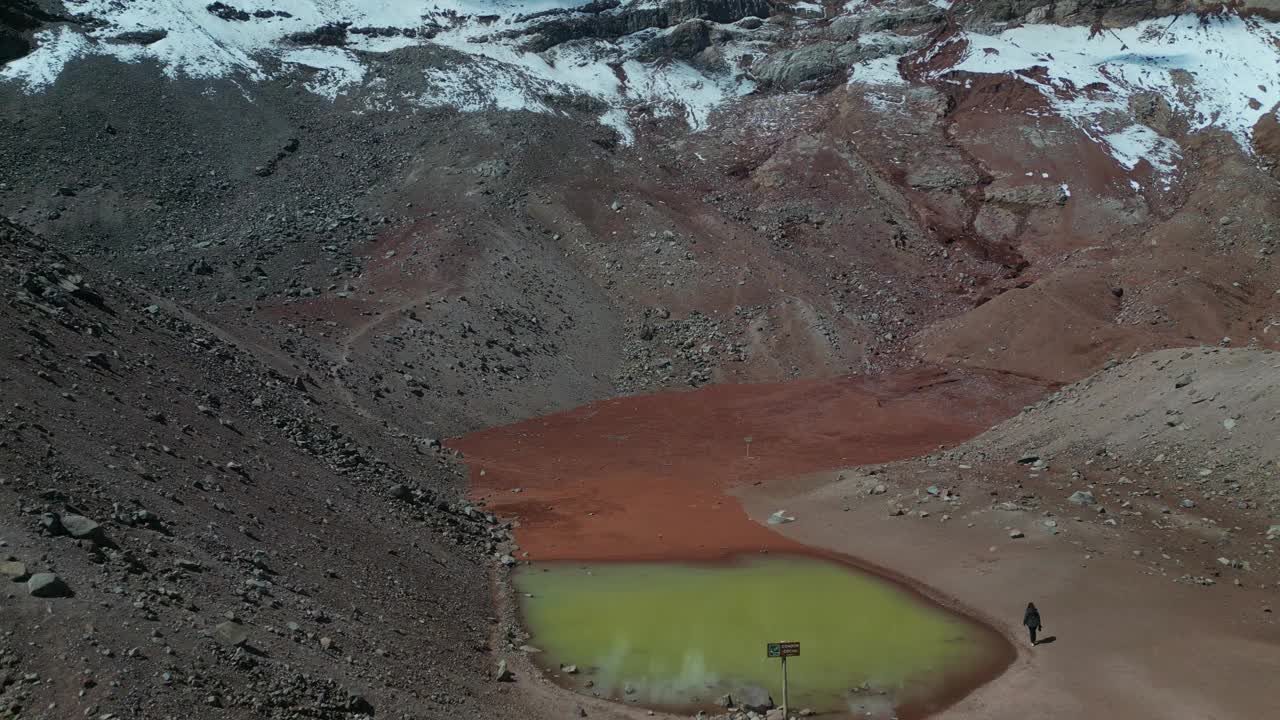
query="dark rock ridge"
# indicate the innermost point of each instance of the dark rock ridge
(18, 19)
(617, 23)
(815, 66)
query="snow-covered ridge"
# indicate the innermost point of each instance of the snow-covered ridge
(1218, 72)
(249, 41)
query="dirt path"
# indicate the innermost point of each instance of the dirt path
(1129, 643)
(358, 333)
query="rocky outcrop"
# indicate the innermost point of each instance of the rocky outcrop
(628, 20)
(684, 42)
(817, 65)
(806, 67)
(18, 19)
(885, 18)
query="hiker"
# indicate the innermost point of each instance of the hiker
(1032, 620)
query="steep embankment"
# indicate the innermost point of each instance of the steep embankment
(227, 537)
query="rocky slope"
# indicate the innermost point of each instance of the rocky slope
(223, 536)
(1200, 419)
(285, 246)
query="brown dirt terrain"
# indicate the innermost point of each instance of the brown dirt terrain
(573, 479)
(1160, 592)
(281, 352)
(250, 558)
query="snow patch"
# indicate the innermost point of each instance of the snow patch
(1139, 142)
(1221, 73)
(881, 71)
(336, 69)
(496, 72)
(38, 70)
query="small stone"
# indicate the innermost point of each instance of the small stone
(569, 669)
(1187, 503)
(879, 489)
(47, 585)
(1016, 534)
(503, 674)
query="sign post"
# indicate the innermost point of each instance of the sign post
(783, 650)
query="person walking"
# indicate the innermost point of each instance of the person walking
(1031, 618)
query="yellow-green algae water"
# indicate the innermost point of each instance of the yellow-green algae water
(686, 634)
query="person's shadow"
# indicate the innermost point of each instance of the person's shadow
(1047, 640)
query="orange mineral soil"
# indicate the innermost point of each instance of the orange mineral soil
(646, 477)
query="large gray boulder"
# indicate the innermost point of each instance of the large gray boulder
(82, 528)
(47, 585)
(810, 66)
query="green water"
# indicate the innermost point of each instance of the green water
(683, 635)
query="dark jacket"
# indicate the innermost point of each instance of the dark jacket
(1032, 618)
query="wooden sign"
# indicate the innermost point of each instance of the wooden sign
(783, 649)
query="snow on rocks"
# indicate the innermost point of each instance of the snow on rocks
(1219, 72)
(328, 42)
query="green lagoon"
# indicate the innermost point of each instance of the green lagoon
(683, 635)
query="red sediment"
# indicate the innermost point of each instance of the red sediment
(645, 478)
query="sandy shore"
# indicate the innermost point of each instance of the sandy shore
(1128, 643)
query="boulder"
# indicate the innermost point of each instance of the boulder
(358, 703)
(810, 66)
(13, 569)
(47, 585)
(1082, 497)
(683, 42)
(231, 634)
(753, 698)
(82, 528)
